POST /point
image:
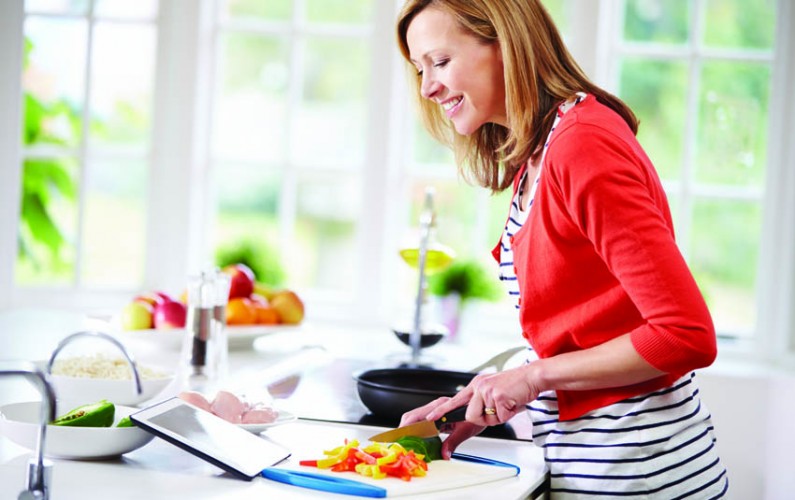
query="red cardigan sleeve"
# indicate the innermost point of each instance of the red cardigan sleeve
(614, 196)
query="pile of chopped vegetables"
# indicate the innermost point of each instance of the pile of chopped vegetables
(377, 460)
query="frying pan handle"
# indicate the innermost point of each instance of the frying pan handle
(499, 360)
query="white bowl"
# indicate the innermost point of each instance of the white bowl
(19, 422)
(84, 390)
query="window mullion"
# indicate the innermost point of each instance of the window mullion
(776, 283)
(83, 170)
(684, 216)
(288, 197)
(584, 33)
(373, 245)
(176, 202)
(609, 43)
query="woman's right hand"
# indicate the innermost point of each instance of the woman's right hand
(458, 432)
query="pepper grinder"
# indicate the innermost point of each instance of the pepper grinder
(220, 361)
(199, 341)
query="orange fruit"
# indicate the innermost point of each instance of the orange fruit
(266, 315)
(240, 311)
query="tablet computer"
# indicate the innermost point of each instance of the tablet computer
(209, 437)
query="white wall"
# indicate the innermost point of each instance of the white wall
(753, 410)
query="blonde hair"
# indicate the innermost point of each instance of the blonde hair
(539, 71)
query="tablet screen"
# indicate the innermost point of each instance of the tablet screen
(209, 437)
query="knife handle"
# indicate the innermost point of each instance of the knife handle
(457, 415)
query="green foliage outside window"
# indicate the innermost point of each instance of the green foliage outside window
(466, 278)
(42, 244)
(258, 255)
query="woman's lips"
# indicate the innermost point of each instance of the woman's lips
(451, 106)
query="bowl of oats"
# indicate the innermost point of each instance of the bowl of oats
(89, 378)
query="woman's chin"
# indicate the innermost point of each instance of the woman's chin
(464, 128)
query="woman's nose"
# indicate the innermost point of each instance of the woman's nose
(429, 87)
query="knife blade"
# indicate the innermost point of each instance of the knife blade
(423, 429)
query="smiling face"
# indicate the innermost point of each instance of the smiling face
(459, 72)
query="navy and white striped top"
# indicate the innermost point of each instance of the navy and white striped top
(517, 216)
(657, 445)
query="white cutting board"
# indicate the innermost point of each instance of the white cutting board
(442, 475)
(307, 439)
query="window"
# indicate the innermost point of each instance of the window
(290, 134)
(152, 134)
(88, 86)
(698, 75)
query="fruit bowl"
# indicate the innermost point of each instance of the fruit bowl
(243, 336)
(19, 422)
(239, 337)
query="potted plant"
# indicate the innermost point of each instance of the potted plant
(459, 284)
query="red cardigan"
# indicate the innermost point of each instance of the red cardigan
(596, 259)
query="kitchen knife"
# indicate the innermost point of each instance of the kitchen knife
(423, 429)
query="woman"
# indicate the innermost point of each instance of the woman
(604, 296)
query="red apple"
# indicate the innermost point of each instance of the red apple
(241, 280)
(170, 315)
(154, 298)
(164, 297)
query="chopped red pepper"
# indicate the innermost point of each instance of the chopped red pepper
(348, 463)
(378, 461)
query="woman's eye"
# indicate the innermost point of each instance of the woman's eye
(441, 63)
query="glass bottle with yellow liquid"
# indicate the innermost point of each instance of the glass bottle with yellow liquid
(438, 257)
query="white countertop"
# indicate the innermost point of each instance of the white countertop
(159, 470)
(162, 471)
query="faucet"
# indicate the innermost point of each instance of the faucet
(39, 472)
(104, 336)
(427, 219)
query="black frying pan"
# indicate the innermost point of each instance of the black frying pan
(391, 392)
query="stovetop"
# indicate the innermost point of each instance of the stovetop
(329, 392)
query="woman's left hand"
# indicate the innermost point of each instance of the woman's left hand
(493, 399)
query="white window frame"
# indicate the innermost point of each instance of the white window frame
(179, 173)
(11, 50)
(774, 335)
(376, 186)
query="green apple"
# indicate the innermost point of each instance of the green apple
(137, 315)
(264, 290)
